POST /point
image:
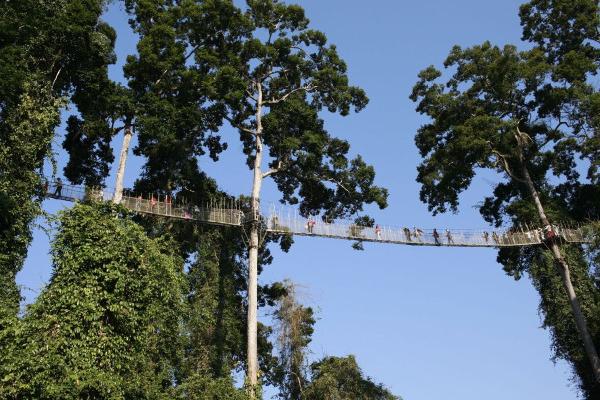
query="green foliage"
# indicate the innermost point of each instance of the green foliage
(173, 119)
(564, 29)
(272, 75)
(555, 307)
(25, 133)
(340, 378)
(107, 324)
(476, 115)
(332, 378)
(294, 328)
(48, 49)
(199, 387)
(215, 320)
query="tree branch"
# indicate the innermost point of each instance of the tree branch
(271, 73)
(273, 170)
(306, 88)
(184, 61)
(338, 183)
(502, 157)
(116, 130)
(240, 127)
(522, 137)
(55, 78)
(249, 93)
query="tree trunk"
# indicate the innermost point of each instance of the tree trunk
(252, 373)
(563, 269)
(252, 310)
(118, 195)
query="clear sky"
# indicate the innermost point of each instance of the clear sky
(430, 323)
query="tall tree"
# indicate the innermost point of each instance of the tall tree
(521, 114)
(166, 106)
(48, 51)
(272, 75)
(107, 324)
(163, 105)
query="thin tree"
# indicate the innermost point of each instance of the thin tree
(294, 329)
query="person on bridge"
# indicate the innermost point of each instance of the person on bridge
(436, 237)
(168, 204)
(45, 187)
(378, 232)
(417, 233)
(486, 236)
(449, 237)
(152, 203)
(407, 234)
(59, 187)
(311, 225)
(495, 237)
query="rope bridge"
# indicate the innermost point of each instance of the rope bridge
(287, 221)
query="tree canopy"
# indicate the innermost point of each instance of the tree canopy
(337, 378)
(272, 87)
(50, 51)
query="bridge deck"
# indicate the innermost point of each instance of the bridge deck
(282, 222)
(415, 237)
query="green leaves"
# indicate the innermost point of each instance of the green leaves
(290, 74)
(341, 378)
(107, 322)
(564, 29)
(26, 131)
(294, 329)
(50, 52)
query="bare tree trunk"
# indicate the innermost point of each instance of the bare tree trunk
(252, 372)
(118, 195)
(563, 269)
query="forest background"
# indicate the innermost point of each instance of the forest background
(418, 311)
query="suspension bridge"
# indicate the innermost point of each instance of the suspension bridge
(287, 221)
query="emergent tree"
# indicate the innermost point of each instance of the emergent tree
(524, 114)
(272, 75)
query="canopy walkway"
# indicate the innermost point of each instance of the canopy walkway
(287, 221)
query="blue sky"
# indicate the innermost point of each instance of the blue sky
(430, 323)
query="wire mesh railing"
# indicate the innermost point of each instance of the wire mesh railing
(288, 221)
(164, 205)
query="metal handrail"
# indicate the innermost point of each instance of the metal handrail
(286, 222)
